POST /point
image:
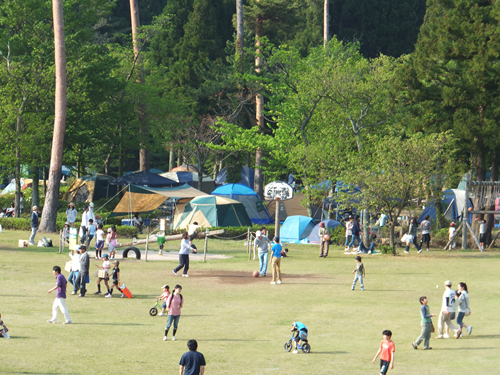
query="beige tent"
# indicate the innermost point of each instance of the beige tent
(293, 207)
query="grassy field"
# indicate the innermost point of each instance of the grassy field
(240, 322)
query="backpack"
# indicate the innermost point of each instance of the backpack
(170, 298)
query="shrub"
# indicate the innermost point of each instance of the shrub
(385, 249)
(338, 236)
(125, 231)
(440, 237)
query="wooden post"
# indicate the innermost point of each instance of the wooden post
(474, 236)
(465, 216)
(147, 244)
(205, 248)
(277, 219)
(61, 239)
(248, 240)
(494, 239)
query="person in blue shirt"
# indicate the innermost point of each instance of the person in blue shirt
(276, 261)
(91, 232)
(300, 334)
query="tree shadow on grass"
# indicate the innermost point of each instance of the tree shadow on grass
(41, 373)
(483, 337)
(232, 340)
(110, 324)
(496, 347)
(312, 352)
(19, 337)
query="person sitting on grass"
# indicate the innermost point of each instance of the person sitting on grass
(3, 329)
(164, 296)
(105, 267)
(116, 280)
(386, 352)
(300, 334)
(365, 250)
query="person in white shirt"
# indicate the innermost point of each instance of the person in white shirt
(447, 310)
(451, 232)
(90, 214)
(105, 266)
(75, 268)
(71, 214)
(84, 225)
(99, 241)
(137, 221)
(482, 232)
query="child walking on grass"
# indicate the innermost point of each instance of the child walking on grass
(360, 273)
(386, 352)
(425, 336)
(115, 276)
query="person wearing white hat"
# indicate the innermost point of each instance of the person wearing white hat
(447, 310)
(34, 224)
(71, 213)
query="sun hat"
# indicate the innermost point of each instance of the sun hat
(91, 204)
(322, 225)
(452, 224)
(116, 262)
(35, 208)
(66, 223)
(165, 286)
(71, 204)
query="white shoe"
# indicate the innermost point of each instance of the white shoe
(122, 296)
(73, 292)
(185, 275)
(51, 321)
(68, 322)
(6, 335)
(273, 282)
(446, 336)
(407, 252)
(165, 338)
(175, 273)
(161, 314)
(279, 281)
(108, 296)
(420, 251)
(173, 338)
(469, 329)
(295, 351)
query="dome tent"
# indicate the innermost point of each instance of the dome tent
(255, 209)
(295, 229)
(314, 236)
(211, 211)
(247, 177)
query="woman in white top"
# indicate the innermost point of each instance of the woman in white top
(75, 268)
(183, 256)
(463, 308)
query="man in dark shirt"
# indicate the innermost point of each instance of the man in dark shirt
(84, 271)
(192, 362)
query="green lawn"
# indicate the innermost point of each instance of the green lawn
(241, 323)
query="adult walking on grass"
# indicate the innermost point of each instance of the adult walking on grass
(192, 362)
(463, 308)
(84, 271)
(75, 268)
(356, 230)
(60, 301)
(324, 244)
(426, 233)
(34, 224)
(174, 305)
(447, 312)
(183, 256)
(262, 244)
(84, 224)
(412, 231)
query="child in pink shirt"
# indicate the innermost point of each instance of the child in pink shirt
(164, 296)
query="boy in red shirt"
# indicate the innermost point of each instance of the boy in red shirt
(386, 352)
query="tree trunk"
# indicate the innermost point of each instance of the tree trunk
(480, 176)
(48, 223)
(179, 157)
(35, 190)
(44, 177)
(143, 152)
(366, 228)
(171, 157)
(17, 210)
(490, 206)
(393, 245)
(259, 112)
(326, 23)
(240, 34)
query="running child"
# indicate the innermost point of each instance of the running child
(105, 266)
(386, 352)
(426, 325)
(164, 296)
(3, 329)
(300, 334)
(360, 273)
(99, 244)
(115, 276)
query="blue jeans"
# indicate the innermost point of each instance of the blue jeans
(407, 248)
(355, 237)
(356, 277)
(72, 277)
(347, 240)
(76, 280)
(33, 232)
(364, 249)
(263, 257)
(460, 319)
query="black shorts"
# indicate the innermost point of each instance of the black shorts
(193, 236)
(297, 335)
(115, 282)
(384, 366)
(426, 237)
(482, 237)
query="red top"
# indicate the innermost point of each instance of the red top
(387, 349)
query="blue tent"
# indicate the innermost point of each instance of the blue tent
(295, 229)
(452, 202)
(255, 209)
(144, 178)
(314, 236)
(247, 176)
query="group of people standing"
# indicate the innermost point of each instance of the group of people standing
(264, 245)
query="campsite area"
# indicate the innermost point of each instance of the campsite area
(241, 322)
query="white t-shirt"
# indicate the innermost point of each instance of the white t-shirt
(99, 235)
(463, 301)
(106, 266)
(75, 265)
(482, 227)
(452, 231)
(448, 304)
(85, 219)
(192, 228)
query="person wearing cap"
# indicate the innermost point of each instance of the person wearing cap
(447, 312)
(323, 244)
(452, 230)
(71, 214)
(276, 261)
(34, 224)
(84, 224)
(84, 271)
(262, 243)
(164, 297)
